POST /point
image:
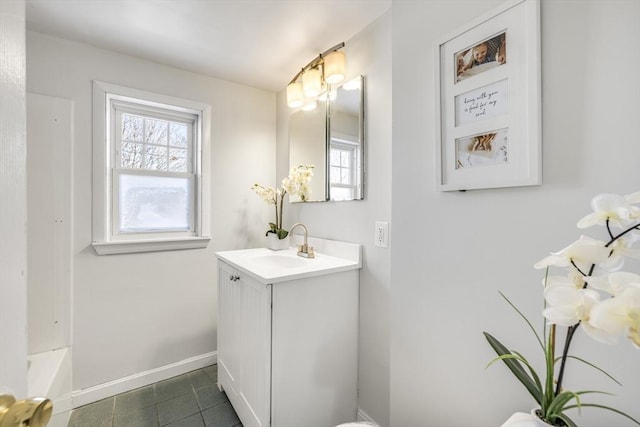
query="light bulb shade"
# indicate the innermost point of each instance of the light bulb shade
(334, 67)
(295, 98)
(310, 104)
(312, 82)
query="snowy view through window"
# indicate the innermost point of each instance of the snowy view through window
(158, 200)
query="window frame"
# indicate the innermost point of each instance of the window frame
(107, 239)
(344, 143)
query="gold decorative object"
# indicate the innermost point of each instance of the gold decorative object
(33, 412)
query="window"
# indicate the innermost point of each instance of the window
(343, 158)
(150, 169)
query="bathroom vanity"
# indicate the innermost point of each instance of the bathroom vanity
(288, 334)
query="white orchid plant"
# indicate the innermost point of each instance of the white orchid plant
(296, 184)
(593, 296)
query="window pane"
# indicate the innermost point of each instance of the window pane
(132, 128)
(335, 157)
(345, 159)
(178, 134)
(335, 175)
(178, 160)
(156, 131)
(131, 155)
(150, 203)
(156, 157)
(346, 176)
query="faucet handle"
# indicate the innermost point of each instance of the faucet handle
(306, 251)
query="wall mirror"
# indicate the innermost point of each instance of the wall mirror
(331, 137)
(307, 146)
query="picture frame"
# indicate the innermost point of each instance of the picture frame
(487, 86)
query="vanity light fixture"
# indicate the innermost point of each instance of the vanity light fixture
(334, 67)
(295, 98)
(315, 78)
(312, 82)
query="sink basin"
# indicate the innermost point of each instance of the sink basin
(279, 261)
(268, 266)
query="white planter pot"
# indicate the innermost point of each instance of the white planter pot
(537, 421)
(522, 419)
(276, 244)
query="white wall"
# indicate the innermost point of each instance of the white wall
(13, 200)
(136, 312)
(452, 252)
(49, 220)
(368, 53)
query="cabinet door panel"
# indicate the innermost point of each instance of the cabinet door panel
(256, 340)
(229, 321)
(244, 345)
(315, 347)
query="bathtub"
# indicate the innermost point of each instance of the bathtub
(49, 375)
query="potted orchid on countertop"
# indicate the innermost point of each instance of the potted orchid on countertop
(296, 184)
(593, 296)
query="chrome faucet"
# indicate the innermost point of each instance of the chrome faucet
(304, 250)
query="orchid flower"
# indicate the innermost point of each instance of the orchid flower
(617, 210)
(633, 198)
(584, 251)
(567, 306)
(614, 283)
(621, 248)
(268, 194)
(619, 315)
(296, 184)
(573, 279)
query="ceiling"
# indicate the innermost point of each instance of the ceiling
(259, 43)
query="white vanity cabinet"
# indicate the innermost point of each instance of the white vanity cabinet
(287, 345)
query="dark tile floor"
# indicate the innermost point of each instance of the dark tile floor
(189, 400)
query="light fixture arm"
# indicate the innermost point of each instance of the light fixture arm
(317, 60)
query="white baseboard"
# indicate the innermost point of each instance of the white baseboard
(62, 404)
(60, 419)
(121, 385)
(362, 416)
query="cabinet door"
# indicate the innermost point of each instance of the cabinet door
(244, 345)
(229, 329)
(256, 356)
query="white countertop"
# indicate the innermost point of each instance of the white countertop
(269, 266)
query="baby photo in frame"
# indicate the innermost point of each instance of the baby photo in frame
(481, 57)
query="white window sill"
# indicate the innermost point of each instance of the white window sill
(129, 246)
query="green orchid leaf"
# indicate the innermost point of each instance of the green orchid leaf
(595, 405)
(532, 371)
(595, 367)
(282, 234)
(559, 402)
(525, 319)
(515, 367)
